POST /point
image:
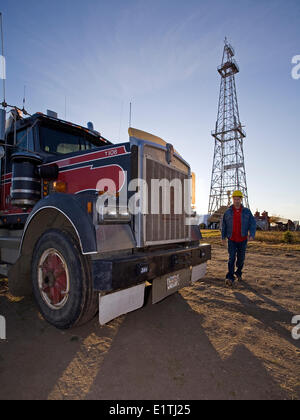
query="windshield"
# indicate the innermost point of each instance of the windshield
(59, 141)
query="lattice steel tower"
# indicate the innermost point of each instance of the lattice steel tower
(228, 173)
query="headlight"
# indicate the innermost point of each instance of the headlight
(113, 214)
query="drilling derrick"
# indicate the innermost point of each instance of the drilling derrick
(228, 173)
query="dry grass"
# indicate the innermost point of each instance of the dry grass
(210, 233)
(276, 237)
(261, 236)
(263, 240)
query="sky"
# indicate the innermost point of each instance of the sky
(88, 60)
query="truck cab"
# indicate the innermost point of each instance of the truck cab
(46, 136)
(86, 224)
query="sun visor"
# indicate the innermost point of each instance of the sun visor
(143, 135)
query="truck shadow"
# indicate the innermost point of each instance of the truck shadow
(161, 351)
(35, 355)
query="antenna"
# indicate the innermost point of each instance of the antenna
(120, 124)
(24, 98)
(3, 75)
(2, 61)
(130, 114)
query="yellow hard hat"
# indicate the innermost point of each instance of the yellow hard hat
(237, 193)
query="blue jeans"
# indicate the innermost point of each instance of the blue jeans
(237, 252)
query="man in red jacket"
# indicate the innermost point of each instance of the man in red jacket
(237, 222)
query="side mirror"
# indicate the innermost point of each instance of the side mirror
(49, 172)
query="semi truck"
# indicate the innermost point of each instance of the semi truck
(87, 225)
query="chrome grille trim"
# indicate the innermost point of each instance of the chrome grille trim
(164, 228)
(139, 221)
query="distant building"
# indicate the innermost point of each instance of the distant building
(297, 225)
(215, 220)
(279, 223)
(262, 220)
(203, 220)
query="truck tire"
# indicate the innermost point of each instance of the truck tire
(62, 283)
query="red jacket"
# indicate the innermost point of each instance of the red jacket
(237, 225)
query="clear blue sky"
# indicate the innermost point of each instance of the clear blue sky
(162, 55)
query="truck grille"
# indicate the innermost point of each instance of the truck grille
(165, 228)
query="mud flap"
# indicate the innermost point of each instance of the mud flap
(170, 283)
(19, 277)
(198, 271)
(119, 303)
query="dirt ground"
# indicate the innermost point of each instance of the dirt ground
(206, 342)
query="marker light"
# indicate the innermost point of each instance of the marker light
(60, 186)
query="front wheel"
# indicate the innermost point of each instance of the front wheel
(61, 278)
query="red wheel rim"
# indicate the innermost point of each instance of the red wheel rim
(53, 279)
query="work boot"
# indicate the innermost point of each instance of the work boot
(229, 282)
(238, 277)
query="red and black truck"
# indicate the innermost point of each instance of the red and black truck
(76, 227)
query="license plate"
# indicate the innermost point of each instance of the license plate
(173, 281)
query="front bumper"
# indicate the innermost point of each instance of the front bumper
(123, 272)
